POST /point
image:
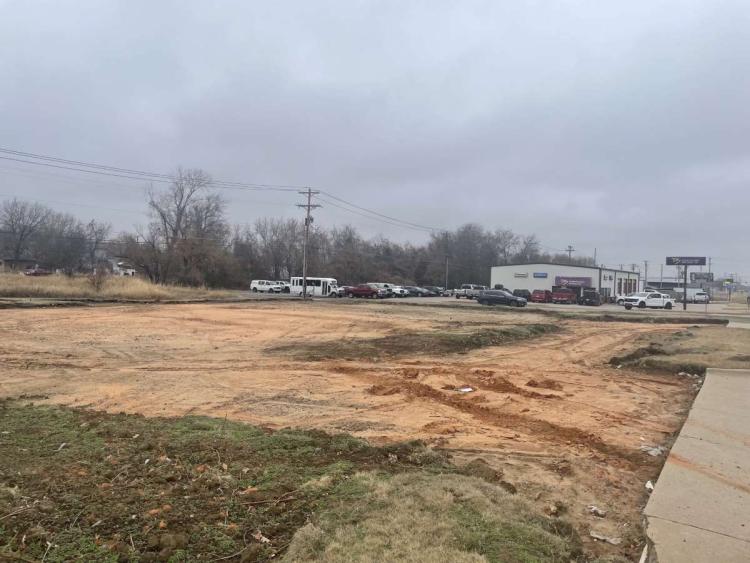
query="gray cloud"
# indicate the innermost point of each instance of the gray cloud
(617, 127)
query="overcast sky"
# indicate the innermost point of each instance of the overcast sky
(623, 126)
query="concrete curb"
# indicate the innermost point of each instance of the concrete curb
(700, 509)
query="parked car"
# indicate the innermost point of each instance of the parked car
(387, 287)
(653, 300)
(469, 291)
(266, 286)
(541, 296)
(590, 297)
(701, 297)
(525, 293)
(37, 272)
(286, 287)
(499, 297)
(370, 290)
(435, 290)
(620, 299)
(564, 295)
(399, 291)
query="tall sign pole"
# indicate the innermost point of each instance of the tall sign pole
(308, 221)
(685, 261)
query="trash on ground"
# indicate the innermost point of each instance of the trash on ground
(602, 537)
(653, 451)
(260, 537)
(62, 446)
(465, 389)
(649, 486)
(596, 511)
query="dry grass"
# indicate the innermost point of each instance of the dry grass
(113, 288)
(448, 517)
(693, 350)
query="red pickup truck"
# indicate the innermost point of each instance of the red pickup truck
(365, 290)
(564, 295)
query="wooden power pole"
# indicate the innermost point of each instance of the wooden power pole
(309, 206)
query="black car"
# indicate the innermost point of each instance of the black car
(499, 297)
(434, 290)
(525, 293)
(415, 291)
(590, 297)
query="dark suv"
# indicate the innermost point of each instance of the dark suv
(525, 293)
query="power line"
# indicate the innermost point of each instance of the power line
(355, 212)
(415, 225)
(140, 175)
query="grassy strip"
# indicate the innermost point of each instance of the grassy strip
(81, 485)
(639, 318)
(114, 287)
(692, 351)
(590, 314)
(412, 343)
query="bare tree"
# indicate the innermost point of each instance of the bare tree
(96, 234)
(170, 210)
(20, 221)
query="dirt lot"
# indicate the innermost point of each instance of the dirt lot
(564, 426)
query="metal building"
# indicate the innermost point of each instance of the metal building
(544, 275)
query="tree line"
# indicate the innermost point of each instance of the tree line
(188, 240)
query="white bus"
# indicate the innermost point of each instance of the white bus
(321, 287)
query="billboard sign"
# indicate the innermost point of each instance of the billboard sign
(567, 281)
(540, 274)
(701, 277)
(686, 260)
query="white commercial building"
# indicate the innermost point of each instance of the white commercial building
(542, 275)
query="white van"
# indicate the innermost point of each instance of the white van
(265, 286)
(320, 287)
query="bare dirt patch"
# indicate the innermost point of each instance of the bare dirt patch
(562, 425)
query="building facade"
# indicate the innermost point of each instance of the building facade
(541, 275)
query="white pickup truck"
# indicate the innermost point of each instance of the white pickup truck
(469, 291)
(648, 299)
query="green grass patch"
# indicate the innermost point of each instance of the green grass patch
(413, 343)
(449, 517)
(83, 485)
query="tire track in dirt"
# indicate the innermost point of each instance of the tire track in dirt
(384, 385)
(551, 432)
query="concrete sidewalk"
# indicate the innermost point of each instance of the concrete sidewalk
(700, 509)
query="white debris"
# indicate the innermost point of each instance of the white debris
(62, 446)
(649, 486)
(683, 374)
(465, 389)
(653, 451)
(260, 537)
(602, 537)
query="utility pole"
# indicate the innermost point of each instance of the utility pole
(594, 256)
(645, 274)
(308, 220)
(446, 273)
(570, 250)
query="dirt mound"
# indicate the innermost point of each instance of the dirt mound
(545, 383)
(384, 390)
